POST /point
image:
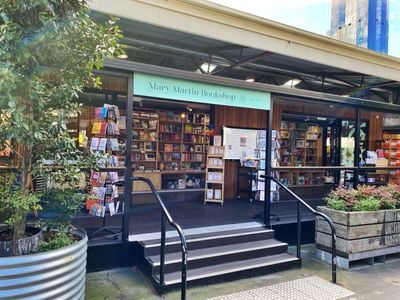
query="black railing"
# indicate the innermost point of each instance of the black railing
(316, 213)
(165, 215)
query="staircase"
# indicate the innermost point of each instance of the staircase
(217, 256)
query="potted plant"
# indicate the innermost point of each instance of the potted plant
(366, 222)
(48, 51)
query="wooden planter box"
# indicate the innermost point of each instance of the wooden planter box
(367, 236)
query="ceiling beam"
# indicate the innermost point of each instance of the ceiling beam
(243, 63)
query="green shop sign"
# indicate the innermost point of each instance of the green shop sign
(191, 91)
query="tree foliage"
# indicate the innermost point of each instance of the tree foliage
(48, 51)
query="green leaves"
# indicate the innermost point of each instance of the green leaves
(48, 50)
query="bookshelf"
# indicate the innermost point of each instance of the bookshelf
(214, 186)
(391, 148)
(300, 145)
(170, 147)
(145, 140)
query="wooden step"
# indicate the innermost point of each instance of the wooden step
(219, 254)
(232, 270)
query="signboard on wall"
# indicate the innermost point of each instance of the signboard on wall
(192, 91)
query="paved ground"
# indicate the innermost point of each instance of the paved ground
(378, 282)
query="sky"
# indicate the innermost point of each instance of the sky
(311, 15)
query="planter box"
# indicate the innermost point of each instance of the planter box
(360, 235)
(56, 274)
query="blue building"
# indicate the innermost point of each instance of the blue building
(361, 22)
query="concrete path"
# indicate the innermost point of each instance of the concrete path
(378, 282)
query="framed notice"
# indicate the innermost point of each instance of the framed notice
(241, 143)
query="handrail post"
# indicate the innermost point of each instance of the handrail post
(162, 250)
(334, 258)
(316, 213)
(183, 275)
(298, 230)
(165, 216)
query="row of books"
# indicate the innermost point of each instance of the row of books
(197, 157)
(145, 124)
(197, 129)
(108, 111)
(108, 161)
(105, 128)
(99, 210)
(175, 128)
(104, 144)
(189, 138)
(100, 178)
(170, 137)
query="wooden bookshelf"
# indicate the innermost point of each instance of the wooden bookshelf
(214, 186)
(300, 145)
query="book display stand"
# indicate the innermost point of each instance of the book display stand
(104, 141)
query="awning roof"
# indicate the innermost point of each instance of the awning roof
(184, 35)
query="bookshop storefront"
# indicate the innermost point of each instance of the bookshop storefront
(192, 139)
(207, 140)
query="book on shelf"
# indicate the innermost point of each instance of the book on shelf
(97, 111)
(102, 145)
(103, 112)
(97, 209)
(99, 192)
(103, 128)
(111, 208)
(114, 144)
(96, 128)
(94, 144)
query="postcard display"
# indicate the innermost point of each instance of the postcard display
(275, 158)
(258, 185)
(104, 141)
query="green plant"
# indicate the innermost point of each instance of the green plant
(364, 198)
(55, 241)
(338, 204)
(48, 52)
(60, 204)
(367, 204)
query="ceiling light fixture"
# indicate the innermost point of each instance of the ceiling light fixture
(189, 108)
(292, 82)
(250, 79)
(207, 67)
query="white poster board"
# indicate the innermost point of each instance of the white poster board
(240, 143)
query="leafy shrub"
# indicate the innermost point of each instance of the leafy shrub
(56, 240)
(337, 204)
(367, 204)
(364, 198)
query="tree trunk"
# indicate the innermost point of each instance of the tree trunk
(25, 167)
(21, 214)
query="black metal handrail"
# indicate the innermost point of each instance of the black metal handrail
(316, 213)
(166, 216)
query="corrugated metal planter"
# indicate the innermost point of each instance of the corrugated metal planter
(56, 274)
(24, 245)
